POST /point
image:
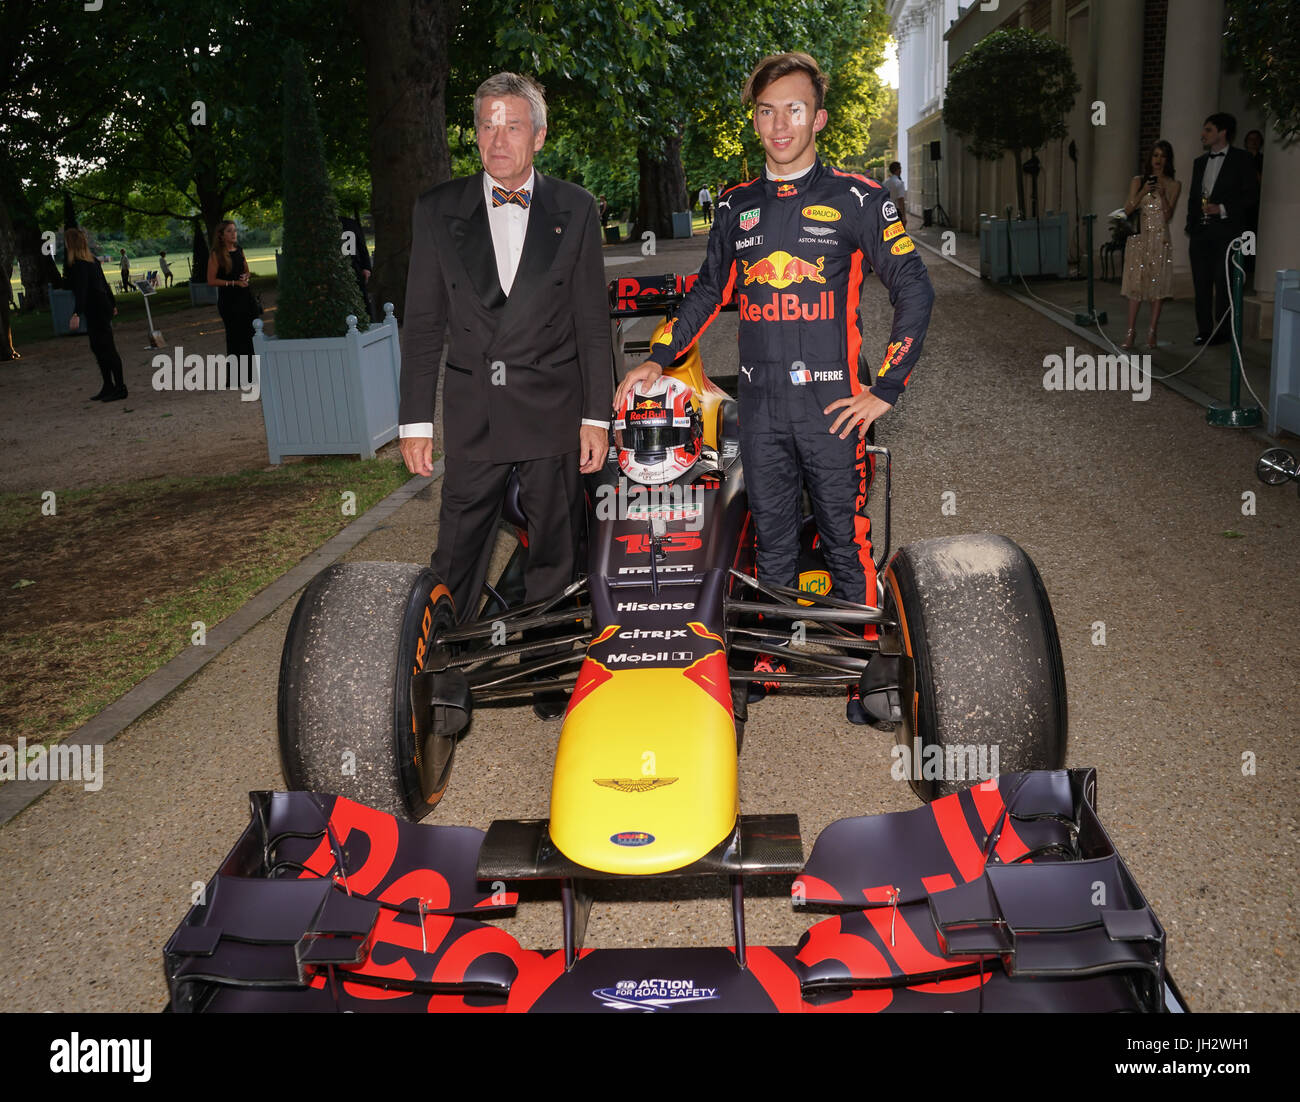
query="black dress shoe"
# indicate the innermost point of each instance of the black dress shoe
(116, 396)
(103, 393)
(550, 705)
(1200, 338)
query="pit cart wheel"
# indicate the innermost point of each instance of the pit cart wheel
(981, 672)
(344, 703)
(1276, 466)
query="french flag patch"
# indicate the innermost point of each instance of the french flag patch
(800, 377)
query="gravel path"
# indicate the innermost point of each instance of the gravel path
(1122, 505)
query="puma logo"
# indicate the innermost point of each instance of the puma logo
(861, 197)
(724, 203)
(749, 373)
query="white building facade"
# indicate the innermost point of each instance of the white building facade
(1148, 70)
(919, 26)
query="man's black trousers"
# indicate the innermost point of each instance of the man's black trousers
(551, 494)
(1205, 251)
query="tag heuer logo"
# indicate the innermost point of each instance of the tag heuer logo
(749, 219)
(634, 784)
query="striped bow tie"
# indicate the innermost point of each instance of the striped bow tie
(500, 197)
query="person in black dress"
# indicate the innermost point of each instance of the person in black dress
(228, 269)
(96, 306)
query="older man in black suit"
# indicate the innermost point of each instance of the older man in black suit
(1218, 202)
(506, 264)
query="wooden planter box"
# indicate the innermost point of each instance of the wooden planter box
(1038, 247)
(330, 395)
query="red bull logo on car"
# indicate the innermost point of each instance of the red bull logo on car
(780, 269)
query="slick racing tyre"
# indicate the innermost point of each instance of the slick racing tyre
(344, 706)
(981, 683)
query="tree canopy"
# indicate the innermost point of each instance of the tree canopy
(161, 115)
(1011, 91)
(1263, 41)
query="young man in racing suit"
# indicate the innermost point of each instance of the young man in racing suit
(793, 248)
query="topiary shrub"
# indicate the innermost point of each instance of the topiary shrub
(317, 288)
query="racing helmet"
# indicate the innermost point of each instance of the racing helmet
(660, 431)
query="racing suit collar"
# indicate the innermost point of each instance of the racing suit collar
(801, 183)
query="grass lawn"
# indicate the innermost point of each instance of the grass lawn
(105, 592)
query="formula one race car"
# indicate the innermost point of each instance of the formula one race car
(1008, 895)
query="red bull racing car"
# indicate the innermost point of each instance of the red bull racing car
(1005, 894)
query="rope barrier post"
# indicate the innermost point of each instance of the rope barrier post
(1093, 316)
(1234, 415)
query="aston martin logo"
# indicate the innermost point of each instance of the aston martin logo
(634, 784)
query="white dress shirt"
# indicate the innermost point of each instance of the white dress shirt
(508, 224)
(1211, 176)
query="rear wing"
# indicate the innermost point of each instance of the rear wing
(631, 297)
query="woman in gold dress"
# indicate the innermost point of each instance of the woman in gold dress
(1149, 254)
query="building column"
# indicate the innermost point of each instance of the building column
(1193, 58)
(905, 36)
(1278, 240)
(1117, 35)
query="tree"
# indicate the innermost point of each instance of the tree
(1263, 41)
(1011, 91)
(55, 85)
(698, 94)
(407, 59)
(193, 133)
(318, 289)
(665, 77)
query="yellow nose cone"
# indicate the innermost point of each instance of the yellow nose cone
(645, 775)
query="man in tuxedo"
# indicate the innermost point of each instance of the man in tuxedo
(506, 264)
(1218, 203)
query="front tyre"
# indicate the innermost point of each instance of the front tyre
(981, 682)
(359, 632)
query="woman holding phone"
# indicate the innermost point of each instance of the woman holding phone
(228, 269)
(1149, 254)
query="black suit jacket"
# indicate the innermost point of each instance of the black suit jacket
(522, 371)
(1235, 188)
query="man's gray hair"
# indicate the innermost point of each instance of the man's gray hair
(512, 84)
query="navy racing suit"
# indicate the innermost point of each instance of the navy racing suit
(794, 254)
